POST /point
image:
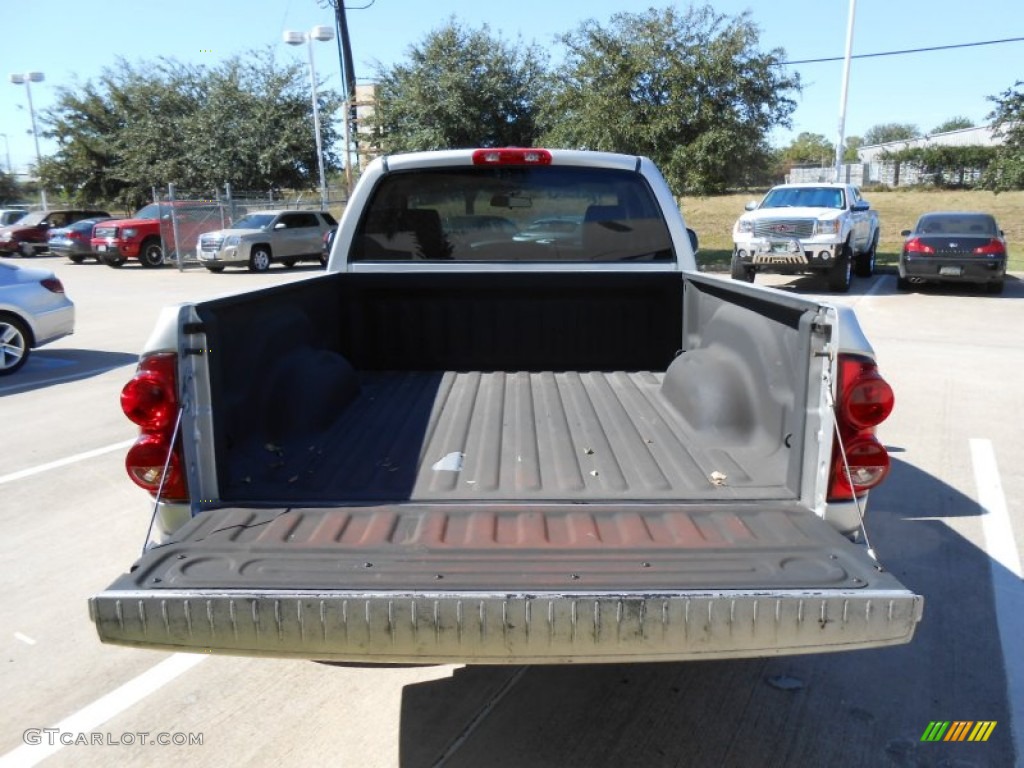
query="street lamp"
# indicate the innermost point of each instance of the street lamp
(32, 77)
(323, 34)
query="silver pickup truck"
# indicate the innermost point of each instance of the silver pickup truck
(466, 445)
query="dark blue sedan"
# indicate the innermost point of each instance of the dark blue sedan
(953, 246)
(73, 241)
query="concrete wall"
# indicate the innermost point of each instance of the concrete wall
(851, 173)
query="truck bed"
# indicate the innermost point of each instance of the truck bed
(403, 388)
(494, 436)
(506, 469)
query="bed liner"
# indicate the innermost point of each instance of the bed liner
(493, 436)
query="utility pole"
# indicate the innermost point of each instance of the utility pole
(348, 85)
(845, 89)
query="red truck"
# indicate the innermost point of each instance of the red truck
(145, 235)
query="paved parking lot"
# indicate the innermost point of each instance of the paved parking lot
(949, 523)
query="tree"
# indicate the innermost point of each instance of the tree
(953, 124)
(809, 149)
(888, 132)
(691, 90)
(9, 188)
(943, 165)
(853, 143)
(460, 88)
(1006, 171)
(256, 126)
(85, 122)
(248, 122)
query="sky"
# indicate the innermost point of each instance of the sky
(72, 42)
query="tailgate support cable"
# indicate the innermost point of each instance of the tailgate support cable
(846, 463)
(163, 477)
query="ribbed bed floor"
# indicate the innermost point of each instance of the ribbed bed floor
(508, 436)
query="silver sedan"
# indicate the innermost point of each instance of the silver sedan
(33, 311)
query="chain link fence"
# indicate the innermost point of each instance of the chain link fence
(185, 215)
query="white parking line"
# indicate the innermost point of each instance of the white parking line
(1007, 579)
(22, 473)
(876, 286)
(103, 709)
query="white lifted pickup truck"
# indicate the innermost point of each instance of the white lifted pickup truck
(460, 445)
(807, 228)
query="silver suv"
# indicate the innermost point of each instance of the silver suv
(259, 239)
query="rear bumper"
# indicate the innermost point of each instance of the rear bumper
(54, 323)
(485, 628)
(496, 585)
(71, 249)
(965, 270)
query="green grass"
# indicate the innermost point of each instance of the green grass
(713, 217)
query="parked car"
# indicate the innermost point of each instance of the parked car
(953, 246)
(30, 234)
(261, 238)
(74, 241)
(33, 311)
(10, 215)
(145, 235)
(796, 229)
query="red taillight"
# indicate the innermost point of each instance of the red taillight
(866, 399)
(150, 400)
(914, 245)
(146, 462)
(511, 156)
(863, 401)
(868, 463)
(52, 284)
(992, 248)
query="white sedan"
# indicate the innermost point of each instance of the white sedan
(259, 239)
(33, 311)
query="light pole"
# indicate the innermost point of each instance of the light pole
(322, 34)
(26, 79)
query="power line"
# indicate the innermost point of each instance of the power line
(901, 53)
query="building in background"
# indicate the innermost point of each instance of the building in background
(877, 166)
(366, 97)
(880, 168)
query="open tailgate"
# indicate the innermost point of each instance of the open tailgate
(508, 584)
